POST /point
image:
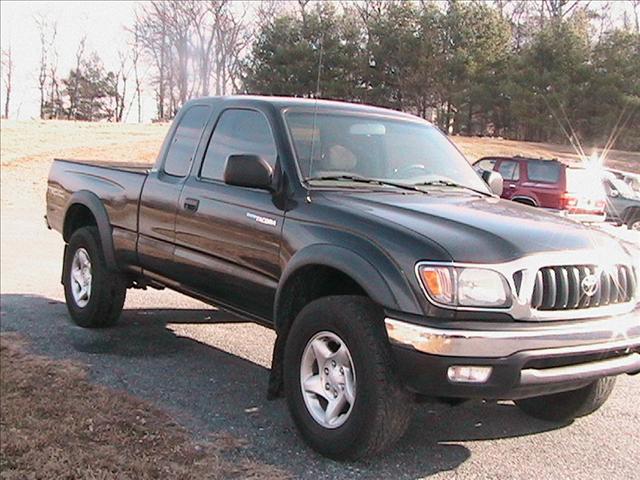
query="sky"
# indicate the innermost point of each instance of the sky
(102, 21)
(104, 24)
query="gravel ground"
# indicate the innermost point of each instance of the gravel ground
(210, 371)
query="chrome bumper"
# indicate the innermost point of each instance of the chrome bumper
(584, 337)
(585, 371)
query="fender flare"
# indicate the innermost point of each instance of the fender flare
(524, 197)
(629, 213)
(344, 260)
(96, 207)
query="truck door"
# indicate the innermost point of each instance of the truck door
(161, 191)
(228, 237)
(510, 171)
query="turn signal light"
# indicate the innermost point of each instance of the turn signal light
(439, 282)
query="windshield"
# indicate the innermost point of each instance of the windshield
(623, 188)
(377, 147)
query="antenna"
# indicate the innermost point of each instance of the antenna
(315, 108)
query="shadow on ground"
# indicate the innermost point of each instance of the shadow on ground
(211, 390)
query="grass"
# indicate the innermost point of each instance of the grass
(56, 424)
(475, 148)
(24, 141)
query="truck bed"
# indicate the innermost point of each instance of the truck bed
(135, 167)
(115, 185)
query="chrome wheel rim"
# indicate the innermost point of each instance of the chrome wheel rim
(635, 226)
(328, 379)
(81, 277)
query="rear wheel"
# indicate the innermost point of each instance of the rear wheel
(634, 222)
(565, 406)
(94, 294)
(340, 385)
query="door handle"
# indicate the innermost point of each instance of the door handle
(191, 204)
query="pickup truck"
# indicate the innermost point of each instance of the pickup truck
(389, 269)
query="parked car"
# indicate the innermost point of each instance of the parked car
(570, 191)
(388, 269)
(623, 203)
(631, 179)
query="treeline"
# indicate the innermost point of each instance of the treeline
(539, 71)
(548, 70)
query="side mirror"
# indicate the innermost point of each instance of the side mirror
(494, 180)
(614, 193)
(248, 171)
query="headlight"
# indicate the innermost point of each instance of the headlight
(465, 287)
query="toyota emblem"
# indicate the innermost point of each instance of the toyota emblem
(589, 285)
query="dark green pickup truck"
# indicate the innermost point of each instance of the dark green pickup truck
(388, 268)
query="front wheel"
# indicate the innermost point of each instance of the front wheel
(340, 384)
(565, 406)
(94, 294)
(634, 223)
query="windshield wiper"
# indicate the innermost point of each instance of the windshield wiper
(451, 183)
(370, 181)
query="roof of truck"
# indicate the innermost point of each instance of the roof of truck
(282, 103)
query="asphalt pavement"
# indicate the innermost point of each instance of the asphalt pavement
(210, 370)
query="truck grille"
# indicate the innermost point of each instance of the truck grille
(582, 286)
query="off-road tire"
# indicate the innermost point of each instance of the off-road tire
(382, 408)
(108, 289)
(565, 406)
(633, 220)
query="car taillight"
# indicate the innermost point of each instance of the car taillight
(569, 201)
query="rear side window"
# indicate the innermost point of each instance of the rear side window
(185, 141)
(238, 132)
(543, 171)
(510, 170)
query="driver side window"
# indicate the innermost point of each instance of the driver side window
(238, 132)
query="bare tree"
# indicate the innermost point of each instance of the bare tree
(54, 107)
(7, 78)
(73, 95)
(233, 40)
(559, 9)
(151, 32)
(135, 59)
(120, 86)
(42, 25)
(636, 14)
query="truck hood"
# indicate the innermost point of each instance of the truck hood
(476, 229)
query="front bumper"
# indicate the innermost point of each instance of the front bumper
(530, 360)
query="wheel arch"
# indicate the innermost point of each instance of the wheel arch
(525, 200)
(630, 213)
(85, 209)
(316, 272)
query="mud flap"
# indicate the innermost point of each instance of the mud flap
(276, 384)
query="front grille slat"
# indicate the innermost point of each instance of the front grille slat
(633, 284)
(536, 300)
(549, 292)
(613, 291)
(598, 295)
(574, 288)
(622, 275)
(582, 287)
(563, 288)
(605, 287)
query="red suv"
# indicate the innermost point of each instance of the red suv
(550, 184)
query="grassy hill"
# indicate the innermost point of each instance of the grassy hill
(43, 140)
